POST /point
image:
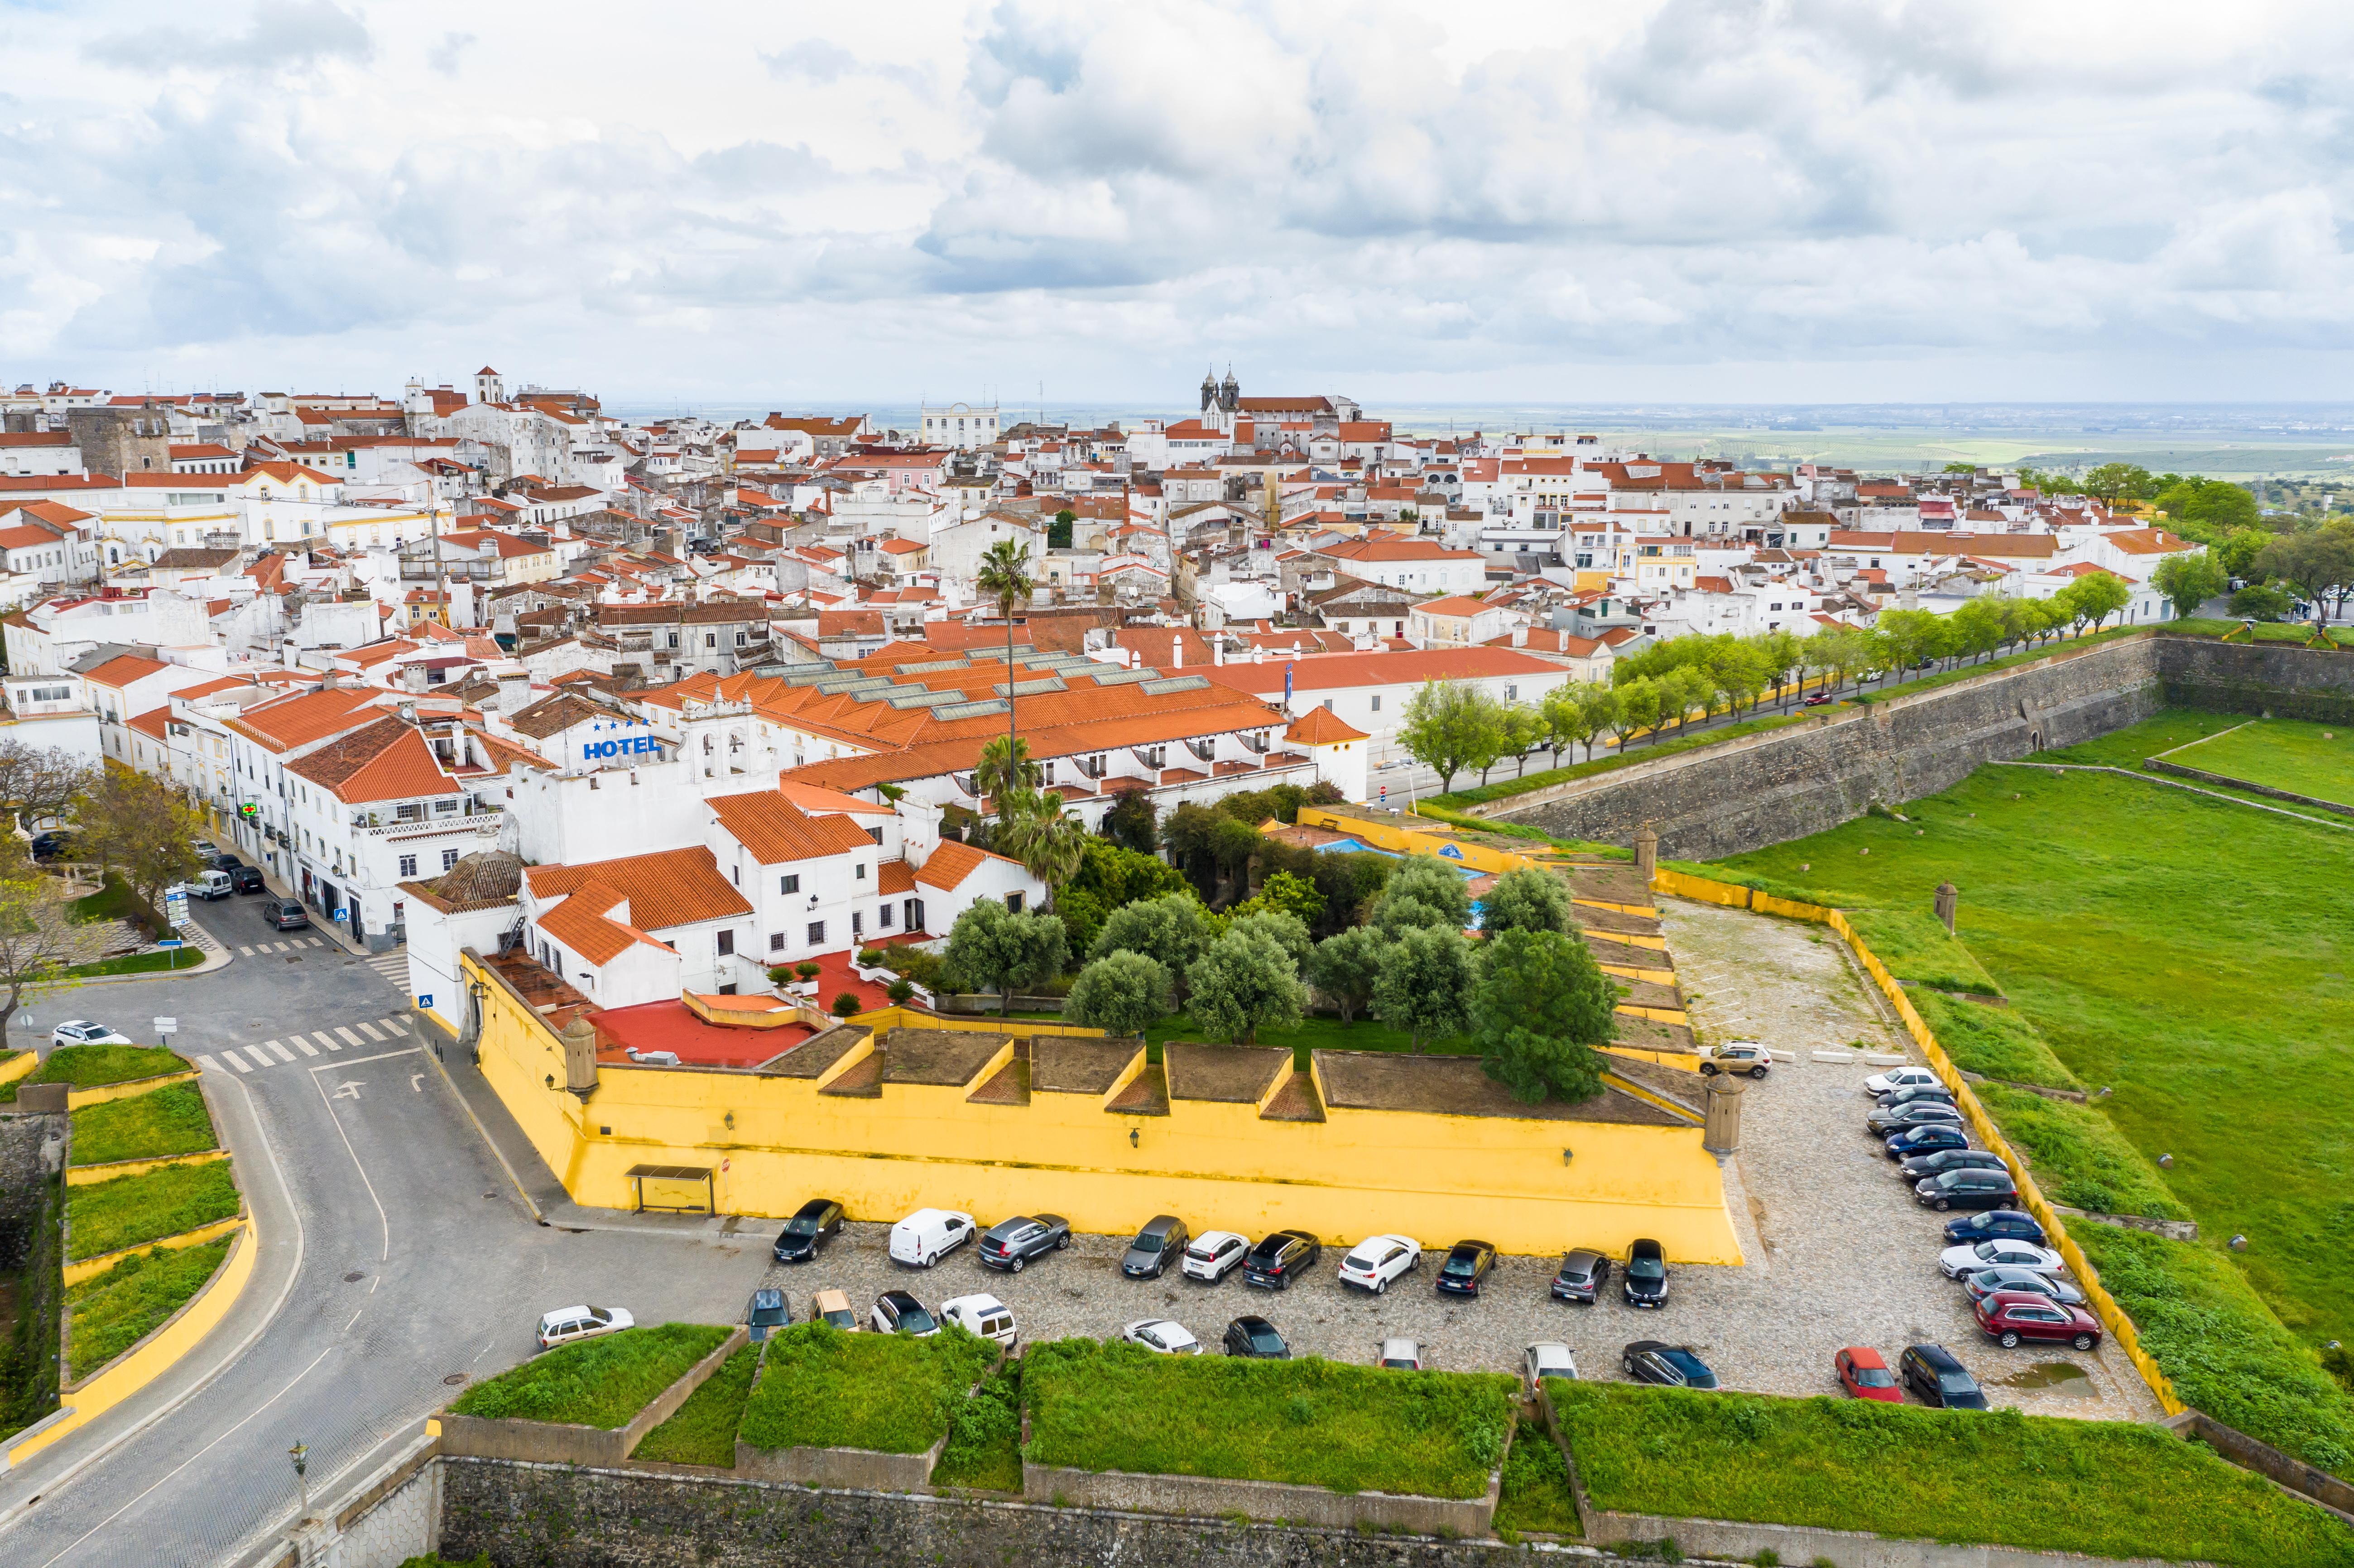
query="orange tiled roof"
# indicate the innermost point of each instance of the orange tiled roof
(389, 760)
(669, 887)
(1322, 726)
(893, 878)
(123, 669)
(288, 722)
(952, 862)
(778, 832)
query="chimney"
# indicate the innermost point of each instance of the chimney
(413, 677)
(330, 680)
(514, 691)
(1176, 650)
(407, 712)
(1218, 651)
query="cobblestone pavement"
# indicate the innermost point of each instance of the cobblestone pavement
(1847, 1256)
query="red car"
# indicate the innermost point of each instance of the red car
(1863, 1375)
(2010, 1316)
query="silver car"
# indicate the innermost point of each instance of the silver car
(2006, 1277)
(1545, 1360)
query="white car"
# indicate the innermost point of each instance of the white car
(1400, 1355)
(1880, 1083)
(1374, 1262)
(567, 1325)
(1163, 1335)
(983, 1314)
(81, 1031)
(1973, 1256)
(1541, 1362)
(1214, 1255)
(924, 1236)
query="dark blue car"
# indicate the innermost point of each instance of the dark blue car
(1926, 1140)
(1996, 1225)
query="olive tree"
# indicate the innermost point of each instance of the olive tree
(993, 949)
(1528, 898)
(1346, 966)
(1425, 983)
(1121, 993)
(1243, 983)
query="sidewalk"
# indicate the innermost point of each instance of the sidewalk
(217, 955)
(324, 927)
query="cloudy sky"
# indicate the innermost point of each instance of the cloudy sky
(1691, 200)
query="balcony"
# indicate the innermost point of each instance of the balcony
(477, 824)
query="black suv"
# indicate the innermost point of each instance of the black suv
(1011, 1243)
(1163, 1240)
(1930, 1371)
(246, 879)
(1644, 1283)
(1974, 1189)
(1281, 1258)
(1584, 1273)
(1468, 1263)
(816, 1222)
(1255, 1337)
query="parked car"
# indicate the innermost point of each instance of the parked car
(1862, 1373)
(2002, 1253)
(1927, 1139)
(1583, 1274)
(1644, 1283)
(814, 1225)
(1148, 1256)
(1896, 1078)
(1214, 1256)
(1979, 1189)
(1933, 1373)
(896, 1312)
(206, 848)
(1010, 1244)
(1374, 1262)
(983, 1314)
(53, 844)
(833, 1307)
(1905, 1094)
(924, 1236)
(1466, 1268)
(1256, 1337)
(1281, 1258)
(284, 914)
(246, 879)
(223, 861)
(1400, 1355)
(1817, 700)
(2009, 1224)
(1164, 1336)
(570, 1324)
(81, 1032)
(206, 884)
(1923, 1166)
(2010, 1276)
(1651, 1361)
(767, 1311)
(1741, 1056)
(1919, 1113)
(1547, 1358)
(2007, 1317)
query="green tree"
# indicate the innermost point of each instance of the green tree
(2317, 565)
(2260, 601)
(1345, 968)
(1232, 846)
(2207, 509)
(1778, 651)
(1133, 823)
(1118, 876)
(1288, 894)
(1058, 536)
(1174, 929)
(1049, 841)
(1539, 1010)
(1004, 770)
(1004, 575)
(1739, 668)
(139, 826)
(1243, 983)
(990, 947)
(1451, 726)
(1286, 930)
(1121, 993)
(40, 785)
(1637, 707)
(2100, 595)
(1424, 987)
(1424, 891)
(1976, 627)
(1598, 710)
(1188, 834)
(40, 939)
(2189, 580)
(1682, 691)
(1524, 727)
(1840, 649)
(2114, 482)
(1911, 635)
(1527, 898)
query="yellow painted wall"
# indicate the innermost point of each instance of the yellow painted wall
(89, 1175)
(1412, 841)
(99, 1094)
(1356, 1174)
(91, 1268)
(18, 1065)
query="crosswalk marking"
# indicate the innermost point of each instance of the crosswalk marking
(372, 1032)
(397, 1025)
(245, 951)
(204, 1060)
(323, 1038)
(302, 1046)
(284, 1053)
(234, 1060)
(350, 1037)
(360, 1034)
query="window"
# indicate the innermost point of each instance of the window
(711, 640)
(776, 941)
(859, 871)
(727, 943)
(857, 923)
(448, 859)
(875, 833)
(735, 875)
(409, 865)
(1328, 705)
(1377, 702)
(790, 884)
(817, 933)
(883, 917)
(1512, 693)
(1014, 903)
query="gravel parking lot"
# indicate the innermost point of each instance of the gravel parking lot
(1839, 1252)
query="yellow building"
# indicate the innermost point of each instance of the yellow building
(895, 1111)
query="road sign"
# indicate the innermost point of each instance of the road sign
(425, 998)
(168, 943)
(342, 914)
(167, 1026)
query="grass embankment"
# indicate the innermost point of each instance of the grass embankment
(1916, 947)
(88, 1066)
(888, 1393)
(1995, 1043)
(2079, 1157)
(1308, 1422)
(2041, 1483)
(702, 1430)
(2297, 631)
(2282, 754)
(130, 1209)
(169, 1120)
(129, 1301)
(114, 901)
(1536, 1495)
(984, 1446)
(1636, 751)
(2190, 955)
(2175, 729)
(602, 1383)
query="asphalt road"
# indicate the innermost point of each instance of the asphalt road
(396, 1257)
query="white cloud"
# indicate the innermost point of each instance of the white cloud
(733, 201)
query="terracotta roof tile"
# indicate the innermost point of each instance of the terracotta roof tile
(670, 887)
(387, 760)
(952, 862)
(778, 832)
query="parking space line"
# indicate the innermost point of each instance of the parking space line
(302, 1046)
(372, 1032)
(351, 1038)
(234, 1060)
(204, 1060)
(323, 1038)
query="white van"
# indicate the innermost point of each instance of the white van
(924, 1236)
(206, 885)
(982, 1315)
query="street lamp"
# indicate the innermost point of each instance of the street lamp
(302, 1457)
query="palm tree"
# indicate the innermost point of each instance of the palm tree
(1033, 828)
(1004, 576)
(1006, 771)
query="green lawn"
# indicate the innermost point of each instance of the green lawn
(129, 1301)
(602, 1383)
(2079, 1157)
(113, 901)
(186, 957)
(2107, 1488)
(891, 1394)
(88, 1066)
(1536, 1495)
(702, 1430)
(2169, 730)
(984, 1446)
(169, 1120)
(1995, 1042)
(111, 1215)
(2284, 754)
(1096, 1407)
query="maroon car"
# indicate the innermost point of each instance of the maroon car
(2009, 1316)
